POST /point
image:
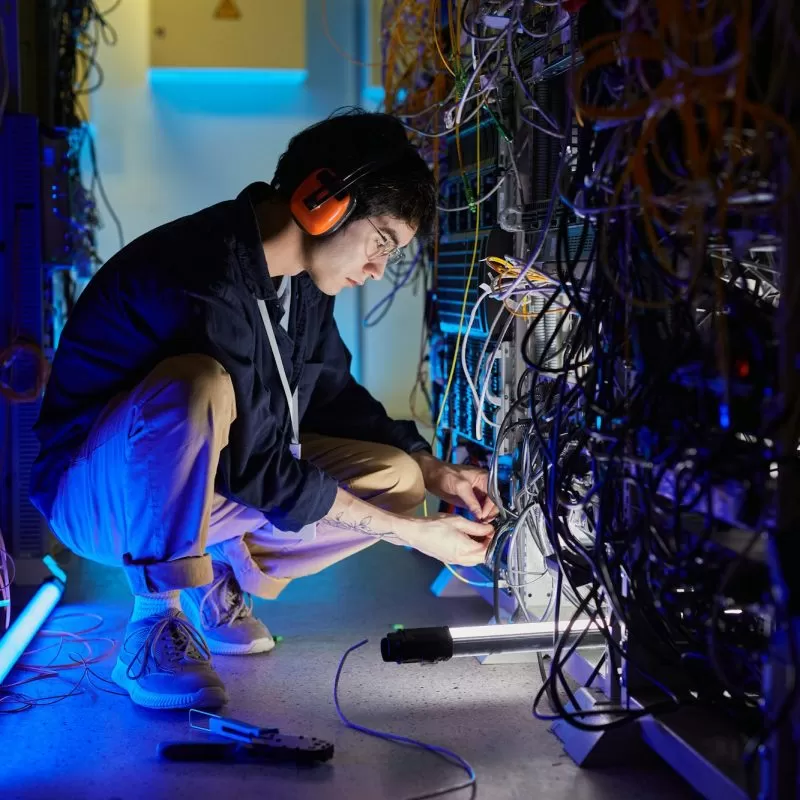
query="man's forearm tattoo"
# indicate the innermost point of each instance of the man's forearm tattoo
(364, 526)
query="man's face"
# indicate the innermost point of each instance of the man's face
(356, 253)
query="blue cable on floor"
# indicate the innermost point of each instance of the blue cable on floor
(449, 755)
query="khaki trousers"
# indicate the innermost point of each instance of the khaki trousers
(140, 492)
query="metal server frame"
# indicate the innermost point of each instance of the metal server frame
(24, 306)
(702, 747)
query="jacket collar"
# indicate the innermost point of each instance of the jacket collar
(249, 251)
(246, 242)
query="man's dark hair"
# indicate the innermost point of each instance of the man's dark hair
(403, 187)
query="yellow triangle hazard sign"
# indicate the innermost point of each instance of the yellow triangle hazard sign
(227, 9)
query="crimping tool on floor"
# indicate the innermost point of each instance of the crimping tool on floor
(249, 744)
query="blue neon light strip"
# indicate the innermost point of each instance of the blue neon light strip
(227, 75)
(51, 564)
(373, 95)
(27, 624)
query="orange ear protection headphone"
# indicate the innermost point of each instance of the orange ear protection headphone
(321, 204)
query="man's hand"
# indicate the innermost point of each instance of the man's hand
(458, 484)
(451, 538)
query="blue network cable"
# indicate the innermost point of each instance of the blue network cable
(449, 755)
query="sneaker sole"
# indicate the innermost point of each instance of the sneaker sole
(228, 649)
(208, 697)
(217, 647)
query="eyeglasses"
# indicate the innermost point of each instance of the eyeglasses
(386, 249)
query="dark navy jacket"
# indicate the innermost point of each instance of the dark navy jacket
(190, 287)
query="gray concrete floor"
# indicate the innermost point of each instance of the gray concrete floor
(96, 746)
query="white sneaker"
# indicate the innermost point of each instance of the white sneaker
(224, 613)
(164, 663)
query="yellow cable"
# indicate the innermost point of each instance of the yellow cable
(510, 270)
(485, 584)
(438, 46)
(471, 269)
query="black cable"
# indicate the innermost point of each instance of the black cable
(628, 395)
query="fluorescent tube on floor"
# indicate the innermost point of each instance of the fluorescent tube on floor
(440, 644)
(22, 631)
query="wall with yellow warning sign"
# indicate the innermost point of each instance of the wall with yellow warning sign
(171, 141)
(256, 34)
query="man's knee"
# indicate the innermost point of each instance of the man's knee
(395, 483)
(193, 382)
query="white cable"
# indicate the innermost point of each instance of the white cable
(484, 391)
(479, 66)
(486, 291)
(479, 200)
(515, 169)
(490, 365)
(479, 400)
(522, 525)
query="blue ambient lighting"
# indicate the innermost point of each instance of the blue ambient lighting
(228, 75)
(375, 95)
(51, 564)
(27, 624)
(231, 92)
(724, 415)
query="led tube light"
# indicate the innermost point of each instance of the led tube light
(441, 644)
(30, 620)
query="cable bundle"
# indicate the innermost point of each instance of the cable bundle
(50, 662)
(643, 425)
(77, 29)
(642, 302)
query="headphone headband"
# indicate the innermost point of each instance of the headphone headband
(321, 203)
